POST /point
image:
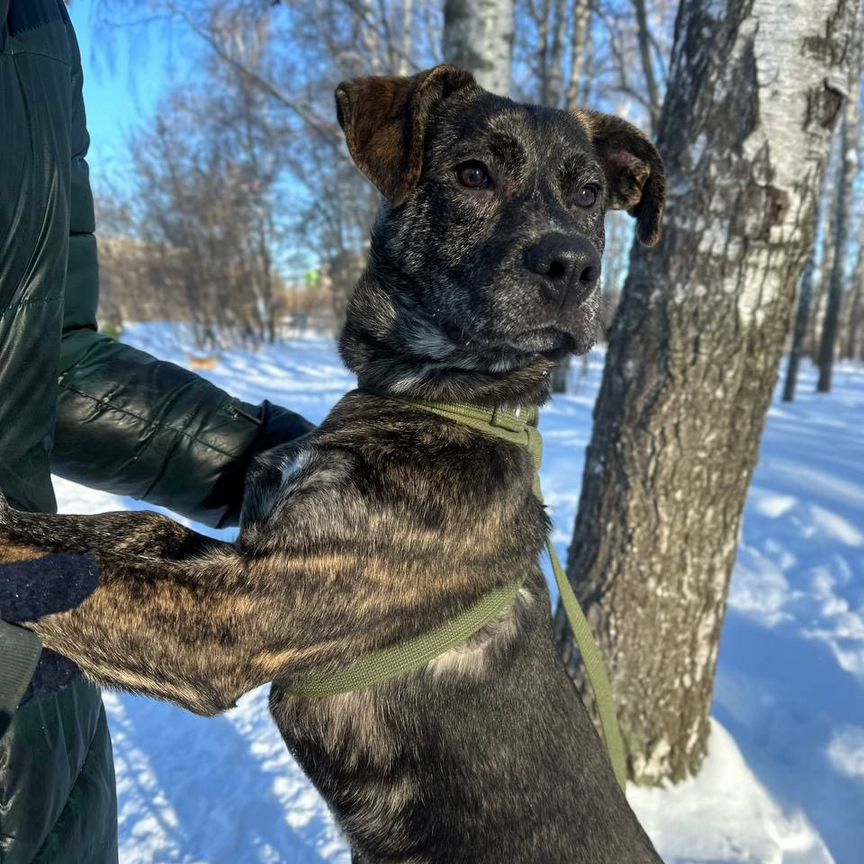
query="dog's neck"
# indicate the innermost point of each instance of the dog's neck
(393, 346)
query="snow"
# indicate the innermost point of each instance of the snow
(743, 821)
(784, 779)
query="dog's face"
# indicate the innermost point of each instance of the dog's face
(494, 227)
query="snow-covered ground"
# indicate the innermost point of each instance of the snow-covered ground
(784, 782)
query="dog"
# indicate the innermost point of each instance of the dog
(388, 520)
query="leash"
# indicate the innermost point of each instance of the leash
(519, 427)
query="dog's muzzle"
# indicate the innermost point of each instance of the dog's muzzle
(569, 268)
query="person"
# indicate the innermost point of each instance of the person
(92, 410)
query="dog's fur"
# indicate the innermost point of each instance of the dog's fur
(387, 520)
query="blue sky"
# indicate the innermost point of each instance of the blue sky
(125, 72)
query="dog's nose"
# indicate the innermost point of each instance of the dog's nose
(569, 266)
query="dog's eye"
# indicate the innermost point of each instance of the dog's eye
(473, 175)
(587, 196)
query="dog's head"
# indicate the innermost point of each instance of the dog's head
(485, 258)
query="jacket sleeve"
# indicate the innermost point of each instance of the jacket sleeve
(131, 424)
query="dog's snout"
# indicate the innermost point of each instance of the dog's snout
(569, 266)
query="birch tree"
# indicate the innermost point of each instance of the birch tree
(799, 329)
(754, 90)
(555, 72)
(805, 310)
(645, 55)
(478, 36)
(581, 28)
(854, 346)
(843, 218)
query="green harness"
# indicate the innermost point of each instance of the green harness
(517, 427)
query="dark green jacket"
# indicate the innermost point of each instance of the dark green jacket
(88, 408)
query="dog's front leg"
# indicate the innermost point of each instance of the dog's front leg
(199, 622)
(173, 616)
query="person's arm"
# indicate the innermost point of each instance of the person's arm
(134, 425)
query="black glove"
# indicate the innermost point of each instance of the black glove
(29, 590)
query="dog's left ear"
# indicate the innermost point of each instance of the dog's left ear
(384, 119)
(634, 171)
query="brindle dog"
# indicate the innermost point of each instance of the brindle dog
(387, 520)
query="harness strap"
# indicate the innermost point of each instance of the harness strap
(517, 426)
(400, 659)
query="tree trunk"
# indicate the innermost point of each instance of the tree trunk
(820, 292)
(543, 23)
(827, 229)
(844, 192)
(804, 310)
(555, 70)
(755, 89)
(854, 349)
(478, 36)
(371, 37)
(799, 334)
(644, 38)
(404, 65)
(581, 19)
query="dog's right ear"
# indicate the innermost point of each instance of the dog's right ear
(384, 119)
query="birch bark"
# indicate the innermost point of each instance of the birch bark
(854, 346)
(478, 36)
(581, 21)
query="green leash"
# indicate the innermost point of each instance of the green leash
(516, 427)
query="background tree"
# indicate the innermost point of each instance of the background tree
(478, 36)
(647, 62)
(807, 300)
(316, 210)
(843, 217)
(206, 179)
(855, 328)
(824, 248)
(581, 29)
(799, 330)
(694, 355)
